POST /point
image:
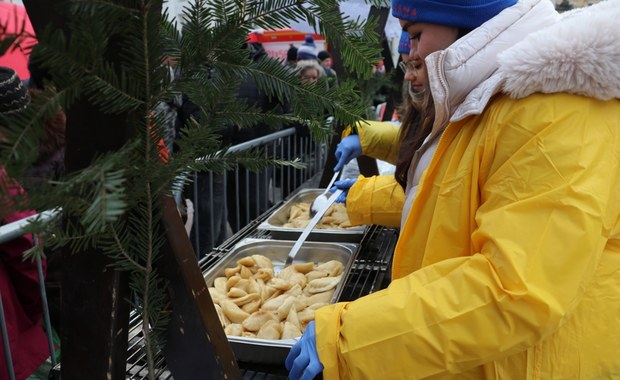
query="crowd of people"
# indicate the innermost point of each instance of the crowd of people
(310, 63)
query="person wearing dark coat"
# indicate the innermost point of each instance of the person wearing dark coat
(253, 187)
(208, 193)
(19, 282)
(326, 62)
(291, 56)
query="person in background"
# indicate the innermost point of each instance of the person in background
(507, 262)
(379, 69)
(309, 71)
(291, 56)
(169, 109)
(380, 199)
(207, 219)
(307, 50)
(327, 61)
(19, 282)
(253, 186)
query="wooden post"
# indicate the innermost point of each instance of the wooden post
(196, 342)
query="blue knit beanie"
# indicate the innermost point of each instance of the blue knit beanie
(404, 45)
(309, 41)
(468, 14)
(307, 50)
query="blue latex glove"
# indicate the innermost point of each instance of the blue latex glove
(303, 360)
(344, 185)
(349, 148)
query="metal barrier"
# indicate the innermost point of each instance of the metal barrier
(9, 232)
(237, 197)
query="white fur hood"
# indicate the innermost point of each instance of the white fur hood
(580, 55)
(529, 48)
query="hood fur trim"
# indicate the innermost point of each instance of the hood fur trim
(578, 55)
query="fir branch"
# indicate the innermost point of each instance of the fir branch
(123, 253)
(273, 14)
(108, 200)
(148, 342)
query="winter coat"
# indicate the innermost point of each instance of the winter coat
(253, 96)
(377, 199)
(21, 297)
(507, 265)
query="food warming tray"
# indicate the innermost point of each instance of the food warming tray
(275, 351)
(275, 223)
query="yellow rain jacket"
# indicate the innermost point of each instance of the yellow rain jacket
(508, 264)
(377, 199)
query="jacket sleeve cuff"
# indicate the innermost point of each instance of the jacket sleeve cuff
(375, 200)
(327, 324)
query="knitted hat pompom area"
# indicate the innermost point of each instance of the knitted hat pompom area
(14, 96)
(468, 14)
(309, 41)
(307, 50)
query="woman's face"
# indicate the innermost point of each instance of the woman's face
(309, 75)
(416, 74)
(428, 38)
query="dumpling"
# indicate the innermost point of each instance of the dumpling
(233, 312)
(270, 330)
(324, 284)
(234, 329)
(333, 267)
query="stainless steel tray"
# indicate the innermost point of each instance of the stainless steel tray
(275, 351)
(275, 223)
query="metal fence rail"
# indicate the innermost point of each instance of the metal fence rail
(9, 232)
(235, 198)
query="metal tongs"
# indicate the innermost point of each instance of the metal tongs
(306, 232)
(319, 201)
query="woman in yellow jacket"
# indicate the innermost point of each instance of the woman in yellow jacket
(379, 199)
(508, 262)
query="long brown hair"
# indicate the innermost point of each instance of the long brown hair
(417, 122)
